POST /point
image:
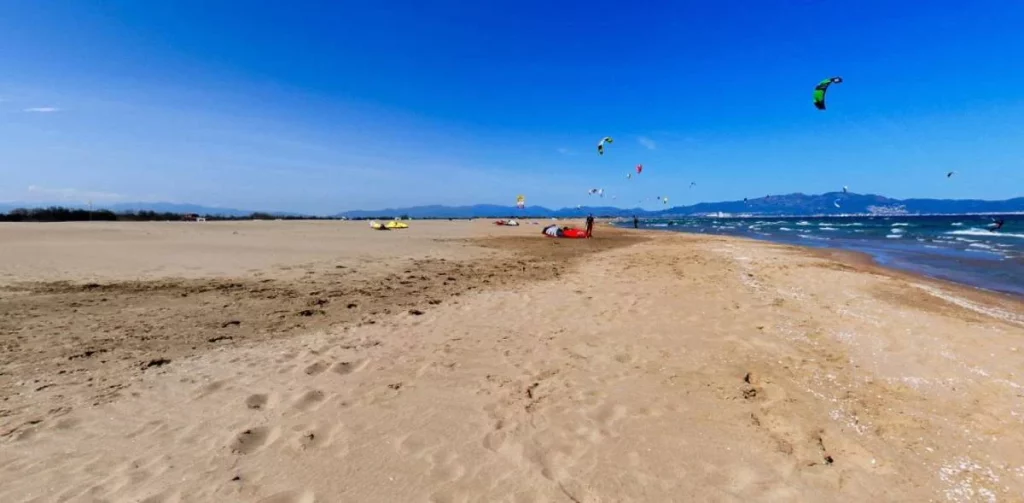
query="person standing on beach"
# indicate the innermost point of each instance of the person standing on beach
(636, 222)
(590, 225)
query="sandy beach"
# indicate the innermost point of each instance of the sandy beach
(462, 361)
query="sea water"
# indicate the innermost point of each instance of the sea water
(955, 248)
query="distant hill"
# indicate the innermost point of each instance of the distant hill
(832, 203)
(837, 203)
(487, 211)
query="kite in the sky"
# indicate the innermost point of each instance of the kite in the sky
(951, 173)
(693, 184)
(639, 168)
(845, 189)
(821, 88)
(600, 144)
(836, 202)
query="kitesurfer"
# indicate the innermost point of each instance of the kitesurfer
(636, 222)
(590, 225)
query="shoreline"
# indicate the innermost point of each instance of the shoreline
(864, 262)
(547, 370)
(912, 268)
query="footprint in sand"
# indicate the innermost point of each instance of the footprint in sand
(212, 387)
(608, 414)
(67, 423)
(253, 439)
(315, 369)
(445, 467)
(413, 444)
(290, 497)
(345, 368)
(309, 400)
(320, 435)
(287, 357)
(154, 427)
(256, 402)
(498, 436)
(169, 496)
(310, 439)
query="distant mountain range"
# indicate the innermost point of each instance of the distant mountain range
(832, 203)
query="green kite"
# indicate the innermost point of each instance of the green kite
(819, 91)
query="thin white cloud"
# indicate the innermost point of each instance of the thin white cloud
(37, 192)
(647, 143)
(43, 110)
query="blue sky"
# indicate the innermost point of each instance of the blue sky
(327, 106)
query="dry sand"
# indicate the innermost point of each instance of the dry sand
(458, 361)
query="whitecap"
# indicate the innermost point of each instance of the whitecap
(974, 231)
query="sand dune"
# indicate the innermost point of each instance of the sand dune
(503, 366)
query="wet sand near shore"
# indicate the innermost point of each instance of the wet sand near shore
(459, 361)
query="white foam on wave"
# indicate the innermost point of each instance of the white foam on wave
(901, 224)
(828, 228)
(785, 229)
(894, 236)
(803, 223)
(957, 224)
(895, 230)
(816, 238)
(974, 231)
(980, 245)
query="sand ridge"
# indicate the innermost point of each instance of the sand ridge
(675, 368)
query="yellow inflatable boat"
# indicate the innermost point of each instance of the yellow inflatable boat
(388, 226)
